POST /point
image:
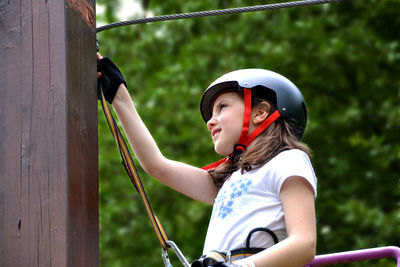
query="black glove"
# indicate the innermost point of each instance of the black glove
(110, 80)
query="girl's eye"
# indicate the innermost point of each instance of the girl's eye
(222, 106)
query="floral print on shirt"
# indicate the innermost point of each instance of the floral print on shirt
(224, 203)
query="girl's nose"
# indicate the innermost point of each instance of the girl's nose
(211, 123)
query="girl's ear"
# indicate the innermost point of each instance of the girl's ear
(260, 112)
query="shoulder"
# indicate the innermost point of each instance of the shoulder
(289, 160)
(289, 163)
(293, 155)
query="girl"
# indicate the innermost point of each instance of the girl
(263, 192)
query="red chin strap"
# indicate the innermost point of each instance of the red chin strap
(245, 139)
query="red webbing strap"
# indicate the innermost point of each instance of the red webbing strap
(215, 164)
(130, 168)
(246, 117)
(245, 139)
(245, 128)
(264, 125)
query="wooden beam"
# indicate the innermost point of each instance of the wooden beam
(48, 134)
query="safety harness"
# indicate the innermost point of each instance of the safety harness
(215, 256)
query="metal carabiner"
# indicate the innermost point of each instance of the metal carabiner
(165, 257)
(178, 253)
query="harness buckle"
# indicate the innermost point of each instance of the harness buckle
(228, 256)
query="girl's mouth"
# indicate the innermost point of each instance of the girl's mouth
(214, 132)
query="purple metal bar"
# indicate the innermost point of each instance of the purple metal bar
(357, 255)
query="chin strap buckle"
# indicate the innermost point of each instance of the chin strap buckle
(238, 150)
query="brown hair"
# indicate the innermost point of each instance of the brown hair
(279, 136)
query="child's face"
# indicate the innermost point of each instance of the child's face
(226, 122)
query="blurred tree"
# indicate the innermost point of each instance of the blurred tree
(344, 57)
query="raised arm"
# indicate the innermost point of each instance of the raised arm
(189, 180)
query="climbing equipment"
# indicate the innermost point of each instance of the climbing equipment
(288, 98)
(215, 13)
(110, 79)
(131, 170)
(215, 257)
(261, 83)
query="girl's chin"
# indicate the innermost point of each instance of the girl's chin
(223, 151)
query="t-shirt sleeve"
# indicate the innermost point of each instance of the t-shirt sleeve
(294, 163)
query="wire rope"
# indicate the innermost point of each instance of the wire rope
(215, 13)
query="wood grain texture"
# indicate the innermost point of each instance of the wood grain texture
(48, 136)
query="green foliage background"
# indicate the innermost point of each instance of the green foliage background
(344, 57)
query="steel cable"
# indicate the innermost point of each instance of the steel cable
(215, 13)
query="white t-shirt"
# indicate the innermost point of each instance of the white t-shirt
(251, 200)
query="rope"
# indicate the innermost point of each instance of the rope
(130, 168)
(215, 13)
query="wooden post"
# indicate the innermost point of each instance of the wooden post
(48, 133)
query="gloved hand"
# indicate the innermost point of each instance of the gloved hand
(110, 79)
